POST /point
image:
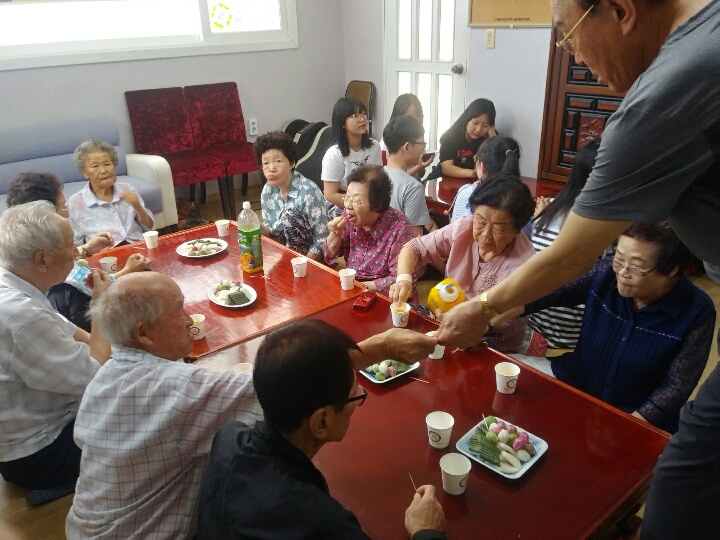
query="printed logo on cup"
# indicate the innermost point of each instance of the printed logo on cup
(405, 318)
(194, 330)
(296, 270)
(511, 383)
(463, 482)
(434, 437)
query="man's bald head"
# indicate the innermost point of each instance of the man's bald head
(139, 304)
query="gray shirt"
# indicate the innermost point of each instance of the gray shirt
(408, 197)
(660, 153)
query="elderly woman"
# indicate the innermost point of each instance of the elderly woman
(369, 233)
(646, 332)
(293, 207)
(480, 250)
(71, 298)
(103, 205)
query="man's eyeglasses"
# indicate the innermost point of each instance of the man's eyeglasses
(355, 202)
(566, 43)
(421, 143)
(359, 116)
(360, 397)
(619, 265)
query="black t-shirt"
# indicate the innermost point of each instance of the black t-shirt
(460, 151)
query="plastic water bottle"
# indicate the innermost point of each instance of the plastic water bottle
(249, 239)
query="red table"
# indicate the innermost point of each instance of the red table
(440, 193)
(598, 464)
(281, 296)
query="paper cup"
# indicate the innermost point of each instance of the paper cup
(455, 473)
(197, 330)
(151, 239)
(439, 426)
(299, 266)
(109, 264)
(439, 351)
(243, 366)
(506, 376)
(223, 227)
(347, 279)
(400, 314)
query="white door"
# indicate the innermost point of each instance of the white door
(426, 54)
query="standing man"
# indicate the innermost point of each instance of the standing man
(45, 361)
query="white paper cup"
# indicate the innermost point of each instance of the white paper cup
(109, 264)
(455, 473)
(439, 425)
(197, 330)
(347, 279)
(439, 351)
(223, 227)
(243, 366)
(299, 266)
(151, 239)
(400, 314)
(506, 376)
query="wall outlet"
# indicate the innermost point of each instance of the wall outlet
(490, 38)
(252, 126)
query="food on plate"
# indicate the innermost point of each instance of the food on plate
(230, 293)
(199, 248)
(504, 445)
(387, 369)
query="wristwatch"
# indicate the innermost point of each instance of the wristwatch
(82, 252)
(487, 309)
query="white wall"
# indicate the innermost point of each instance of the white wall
(274, 86)
(363, 34)
(513, 75)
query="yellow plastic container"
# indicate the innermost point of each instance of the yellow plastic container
(445, 295)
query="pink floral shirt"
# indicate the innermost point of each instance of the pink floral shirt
(374, 253)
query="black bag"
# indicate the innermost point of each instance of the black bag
(313, 139)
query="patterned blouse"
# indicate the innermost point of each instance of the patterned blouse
(374, 253)
(303, 195)
(90, 216)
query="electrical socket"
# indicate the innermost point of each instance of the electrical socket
(252, 126)
(490, 38)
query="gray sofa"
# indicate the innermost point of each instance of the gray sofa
(49, 148)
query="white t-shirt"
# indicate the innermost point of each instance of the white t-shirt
(336, 167)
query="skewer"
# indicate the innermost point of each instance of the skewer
(421, 380)
(413, 481)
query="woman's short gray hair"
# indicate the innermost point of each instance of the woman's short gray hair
(119, 313)
(26, 229)
(90, 146)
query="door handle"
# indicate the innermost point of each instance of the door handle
(457, 69)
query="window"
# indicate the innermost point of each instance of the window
(36, 33)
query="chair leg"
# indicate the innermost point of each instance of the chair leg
(203, 193)
(244, 183)
(191, 193)
(231, 195)
(222, 188)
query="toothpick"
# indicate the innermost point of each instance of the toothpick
(413, 481)
(421, 380)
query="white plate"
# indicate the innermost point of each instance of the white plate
(412, 367)
(184, 248)
(247, 289)
(540, 448)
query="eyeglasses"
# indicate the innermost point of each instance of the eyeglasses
(421, 143)
(619, 265)
(566, 43)
(359, 116)
(360, 397)
(353, 201)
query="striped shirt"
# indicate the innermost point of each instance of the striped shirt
(145, 428)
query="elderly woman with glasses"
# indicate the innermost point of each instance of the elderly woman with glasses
(480, 250)
(369, 233)
(104, 205)
(646, 332)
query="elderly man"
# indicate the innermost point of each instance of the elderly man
(147, 420)
(303, 412)
(45, 361)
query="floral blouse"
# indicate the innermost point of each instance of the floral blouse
(303, 195)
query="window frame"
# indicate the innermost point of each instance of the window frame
(120, 50)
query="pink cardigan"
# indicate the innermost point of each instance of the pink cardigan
(456, 245)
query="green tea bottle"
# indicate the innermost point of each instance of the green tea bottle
(249, 239)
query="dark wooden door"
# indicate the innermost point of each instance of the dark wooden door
(577, 107)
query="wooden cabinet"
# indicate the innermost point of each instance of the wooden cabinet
(576, 110)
